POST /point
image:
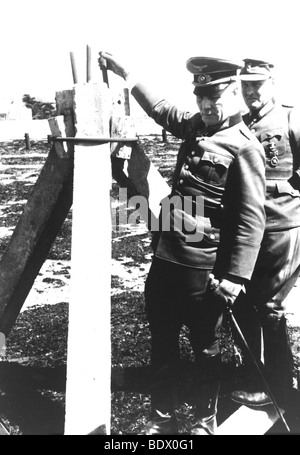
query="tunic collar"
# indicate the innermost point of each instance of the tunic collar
(255, 116)
(229, 122)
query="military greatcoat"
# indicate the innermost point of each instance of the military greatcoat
(225, 168)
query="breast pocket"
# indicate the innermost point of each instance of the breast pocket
(213, 167)
(285, 188)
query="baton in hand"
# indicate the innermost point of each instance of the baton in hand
(257, 366)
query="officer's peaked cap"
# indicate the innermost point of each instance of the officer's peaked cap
(210, 71)
(256, 70)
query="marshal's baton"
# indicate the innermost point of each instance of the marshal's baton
(257, 366)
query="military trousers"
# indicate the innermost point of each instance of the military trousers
(176, 295)
(264, 304)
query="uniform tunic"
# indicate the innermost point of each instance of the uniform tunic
(218, 194)
(278, 264)
(275, 126)
(224, 168)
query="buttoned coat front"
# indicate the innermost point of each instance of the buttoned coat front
(276, 127)
(225, 169)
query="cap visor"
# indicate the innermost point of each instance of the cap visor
(253, 77)
(217, 81)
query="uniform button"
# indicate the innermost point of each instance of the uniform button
(193, 152)
(216, 160)
(212, 236)
(181, 181)
(253, 130)
(186, 166)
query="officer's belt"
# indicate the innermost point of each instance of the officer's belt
(213, 212)
(272, 184)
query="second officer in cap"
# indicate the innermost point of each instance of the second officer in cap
(218, 196)
(277, 127)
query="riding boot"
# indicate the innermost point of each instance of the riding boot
(278, 370)
(164, 400)
(206, 409)
(206, 392)
(278, 357)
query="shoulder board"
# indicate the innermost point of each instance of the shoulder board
(246, 132)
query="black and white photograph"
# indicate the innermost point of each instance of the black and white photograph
(149, 221)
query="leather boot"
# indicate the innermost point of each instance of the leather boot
(278, 366)
(205, 426)
(205, 394)
(206, 409)
(164, 401)
(161, 424)
(250, 398)
(278, 357)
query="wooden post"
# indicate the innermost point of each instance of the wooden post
(27, 141)
(103, 68)
(88, 63)
(38, 226)
(164, 136)
(89, 352)
(74, 69)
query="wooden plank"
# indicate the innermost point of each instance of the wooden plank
(43, 215)
(56, 132)
(134, 170)
(88, 63)
(147, 179)
(122, 127)
(3, 430)
(248, 421)
(89, 364)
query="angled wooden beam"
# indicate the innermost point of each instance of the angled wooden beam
(3, 430)
(38, 226)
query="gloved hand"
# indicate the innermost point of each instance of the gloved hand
(113, 64)
(225, 291)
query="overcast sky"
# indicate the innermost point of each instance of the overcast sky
(156, 37)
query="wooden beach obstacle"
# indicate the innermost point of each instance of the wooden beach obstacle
(76, 172)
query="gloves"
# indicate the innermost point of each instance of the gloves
(113, 64)
(225, 291)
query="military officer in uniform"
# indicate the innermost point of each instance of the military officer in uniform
(218, 193)
(277, 127)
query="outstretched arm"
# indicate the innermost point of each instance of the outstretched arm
(168, 116)
(114, 64)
